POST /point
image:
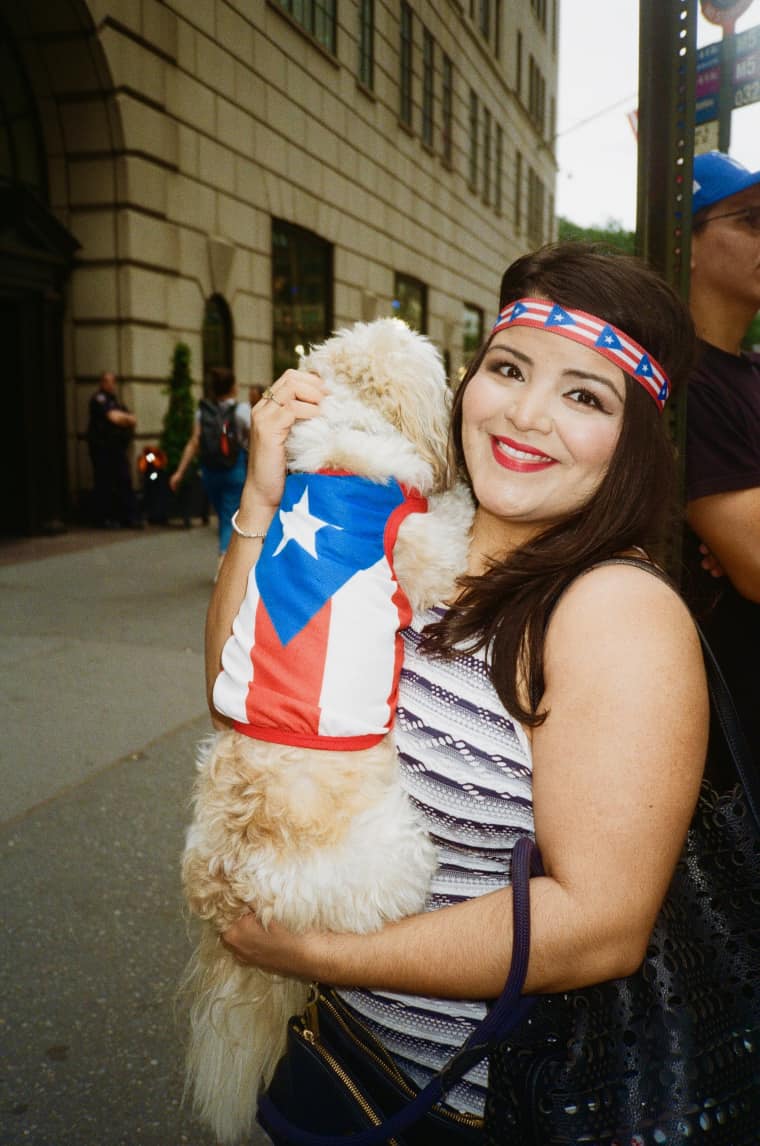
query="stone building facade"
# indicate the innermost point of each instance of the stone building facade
(245, 176)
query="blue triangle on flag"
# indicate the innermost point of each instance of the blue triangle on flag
(609, 340)
(644, 367)
(663, 392)
(518, 309)
(294, 586)
(559, 317)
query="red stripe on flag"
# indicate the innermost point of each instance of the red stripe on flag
(414, 503)
(287, 679)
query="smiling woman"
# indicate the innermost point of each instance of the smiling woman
(521, 700)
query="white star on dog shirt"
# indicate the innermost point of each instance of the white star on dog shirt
(299, 525)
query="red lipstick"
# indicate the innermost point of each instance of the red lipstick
(518, 457)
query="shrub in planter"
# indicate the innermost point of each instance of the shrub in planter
(189, 500)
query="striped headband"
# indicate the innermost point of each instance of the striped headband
(600, 336)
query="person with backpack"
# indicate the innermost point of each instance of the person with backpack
(220, 439)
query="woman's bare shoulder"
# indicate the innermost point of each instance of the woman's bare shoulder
(624, 603)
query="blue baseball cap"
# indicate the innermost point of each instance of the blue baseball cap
(716, 176)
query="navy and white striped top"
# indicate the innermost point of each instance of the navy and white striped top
(467, 766)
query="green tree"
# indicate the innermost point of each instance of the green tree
(612, 235)
(179, 417)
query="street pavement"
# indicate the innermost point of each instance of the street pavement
(102, 701)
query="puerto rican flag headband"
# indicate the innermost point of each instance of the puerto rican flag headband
(600, 336)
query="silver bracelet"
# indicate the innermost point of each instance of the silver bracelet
(241, 532)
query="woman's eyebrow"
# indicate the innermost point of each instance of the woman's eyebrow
(517, 353)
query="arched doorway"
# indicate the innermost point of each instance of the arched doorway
(35, 256)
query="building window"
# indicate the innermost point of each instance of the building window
(539, 11)
(367, 43)
(536, 95)
(410, 302)
(22, 154)
(486, 155)
(472, 329)
(498, 176)
(484, 18)
(473, 175)
(302, 290)
(518, 190)
(428, 69)
(216, 336)
(447, 111)
(405, 108)
(535, 208)
(317, 17)
(519, 65)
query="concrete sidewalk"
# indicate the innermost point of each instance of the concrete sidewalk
(102, 698)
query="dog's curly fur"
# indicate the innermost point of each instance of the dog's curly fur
(319, 839)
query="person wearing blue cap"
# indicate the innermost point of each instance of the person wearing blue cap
(723, 425)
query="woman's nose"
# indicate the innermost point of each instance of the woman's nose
(530, 409)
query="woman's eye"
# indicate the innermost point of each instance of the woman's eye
(585, 398)
(509, 370)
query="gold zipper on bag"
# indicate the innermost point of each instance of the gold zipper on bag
(348, 1082)
(385, 1064)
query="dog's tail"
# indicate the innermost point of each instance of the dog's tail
(238, 1028)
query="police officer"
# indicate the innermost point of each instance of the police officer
(109, 432)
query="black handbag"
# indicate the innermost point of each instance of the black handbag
(337, 1079)
(337, 1085)
(669, 1056)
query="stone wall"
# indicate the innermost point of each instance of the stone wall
(178, 130)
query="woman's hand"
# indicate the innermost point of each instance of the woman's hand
(271, 948)
(294, 396)
(297, 394)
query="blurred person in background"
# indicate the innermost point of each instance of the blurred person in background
(220, 436)
(723, 426)
(110, 430)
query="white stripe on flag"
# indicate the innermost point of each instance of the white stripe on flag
(360, 657)
(231, 686)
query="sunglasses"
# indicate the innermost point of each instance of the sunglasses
(748, 215)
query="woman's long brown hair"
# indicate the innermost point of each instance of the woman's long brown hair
(506, 609)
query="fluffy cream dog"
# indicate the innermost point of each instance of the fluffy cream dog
(299, 812)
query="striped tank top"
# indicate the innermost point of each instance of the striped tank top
(467, 766)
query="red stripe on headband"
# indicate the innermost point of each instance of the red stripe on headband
(607, 340)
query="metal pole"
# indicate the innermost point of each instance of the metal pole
(726, 93)
(667, 78)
